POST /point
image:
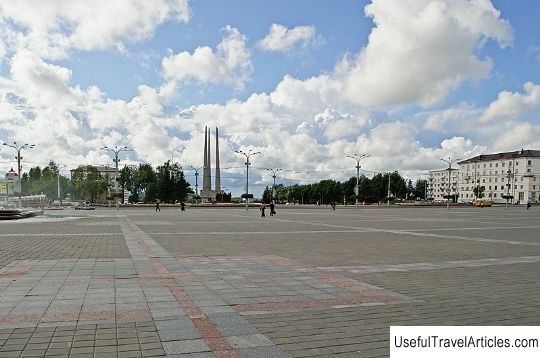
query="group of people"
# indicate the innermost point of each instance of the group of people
(182, 206)
(272, 209)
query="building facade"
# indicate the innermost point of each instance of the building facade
(515, 175)
(438, 187)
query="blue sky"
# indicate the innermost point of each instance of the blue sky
(305, 82)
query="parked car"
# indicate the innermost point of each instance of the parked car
(84, 206)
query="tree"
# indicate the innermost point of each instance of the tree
(479, 191)
(87, 183)
(420, 189)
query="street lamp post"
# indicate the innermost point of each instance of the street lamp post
(450, 161)
(247, 155)
(59, 197)
(274, 171)
(196, 169)
(358, 158)
(18, 148)
(116, 151)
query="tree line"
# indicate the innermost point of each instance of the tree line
(371, 190)
(166, 183)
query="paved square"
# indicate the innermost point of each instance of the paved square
(223, 282)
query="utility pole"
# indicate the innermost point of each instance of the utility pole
(247, 155)
(59, 197)
(196, 169)
(509, 175)
(388, 189)
(450, 161)
(18, 148)
(116, 151)
(358, 158)
(274, 171)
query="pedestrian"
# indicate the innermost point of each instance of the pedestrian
(529, 204)
(272, 209)
(182, 206)
(333, 205)
(263, 208)
(157, 206)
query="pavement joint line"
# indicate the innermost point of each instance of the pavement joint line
(424, 266)
(411, 233)
(206, 328)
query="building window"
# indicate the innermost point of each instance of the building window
(495, 194)
(495, 187)
(521, 186)
(502, 164)
(529, 162)
(484, 165)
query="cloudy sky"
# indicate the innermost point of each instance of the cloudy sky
(305, 82)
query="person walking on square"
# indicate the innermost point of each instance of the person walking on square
(529, 204)
(182, 206)
(272, 207)
(157, 206)
(263, 208)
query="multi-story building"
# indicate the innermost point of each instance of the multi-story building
(496, 176)
(514, 174)
(438, 188)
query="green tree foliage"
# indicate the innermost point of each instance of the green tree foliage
(420, 189)
(167, 183)
(370, 190)
(87, 184)
(44, 181)
(479, 191)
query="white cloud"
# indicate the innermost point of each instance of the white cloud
(282, 39)
(512, 136)
(336, 125)
(420, 50)
(512, 105)
(451, 118)
(52, 28)
(229, 64)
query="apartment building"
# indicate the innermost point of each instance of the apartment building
(438, 187)
(513, 174)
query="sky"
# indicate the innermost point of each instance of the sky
(306, 83)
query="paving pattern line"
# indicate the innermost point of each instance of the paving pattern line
(425, 266)
(206, 328)
(406, 232)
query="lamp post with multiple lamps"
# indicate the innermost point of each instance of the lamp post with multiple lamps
(274, 171)
(450, 161)
(18, 148)
(358, 158)
(116, 152)
(196, 169)
(247, 155)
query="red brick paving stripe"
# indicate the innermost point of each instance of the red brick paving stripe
(18, 270)
(206, 328)
(283, 262)
(378, 298)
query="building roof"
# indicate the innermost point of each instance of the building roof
(523, 153)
